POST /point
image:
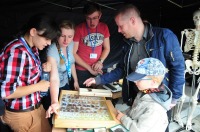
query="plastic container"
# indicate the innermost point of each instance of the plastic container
(45, 76)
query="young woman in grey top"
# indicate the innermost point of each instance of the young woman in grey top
(60, 55)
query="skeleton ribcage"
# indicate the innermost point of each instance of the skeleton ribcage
(189, 43)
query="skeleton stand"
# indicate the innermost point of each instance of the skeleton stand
(193, 68)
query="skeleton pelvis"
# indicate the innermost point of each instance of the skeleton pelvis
(192, 68)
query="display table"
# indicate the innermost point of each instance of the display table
(84, 112)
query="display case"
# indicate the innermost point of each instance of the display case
(77, 111)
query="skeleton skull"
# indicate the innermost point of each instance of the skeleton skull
(196, 18)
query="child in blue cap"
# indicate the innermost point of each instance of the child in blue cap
(149, 109)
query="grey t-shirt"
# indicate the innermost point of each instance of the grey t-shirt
(53, 52)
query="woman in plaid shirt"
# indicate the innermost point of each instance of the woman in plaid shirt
(20, 76)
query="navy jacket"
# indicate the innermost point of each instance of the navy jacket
(162, 44)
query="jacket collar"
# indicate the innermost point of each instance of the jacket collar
(147, 34)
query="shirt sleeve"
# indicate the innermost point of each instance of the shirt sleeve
(13, 64)
(77, 35)
(52, 51)
(176, 65)
(107, 33)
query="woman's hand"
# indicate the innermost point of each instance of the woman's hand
(52, 109)
(46, 66)
(76, 85)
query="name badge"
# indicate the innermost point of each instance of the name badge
(93, 56)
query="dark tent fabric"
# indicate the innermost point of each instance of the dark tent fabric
(15, 13)
(14, 20)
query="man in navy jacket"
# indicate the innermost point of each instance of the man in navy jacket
(143, 40)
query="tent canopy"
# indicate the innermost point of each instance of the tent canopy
(173, 14)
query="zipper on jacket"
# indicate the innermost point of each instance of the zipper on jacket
(171, 54)
(167, 79)
(128, 67)
(150, 32)
(145, 46)
(151, 49)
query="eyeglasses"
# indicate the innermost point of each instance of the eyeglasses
(92, 19)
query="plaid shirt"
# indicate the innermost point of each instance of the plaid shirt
(18, 68)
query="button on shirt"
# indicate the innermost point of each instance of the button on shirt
(18, 68)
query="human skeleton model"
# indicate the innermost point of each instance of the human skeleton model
(192, 66)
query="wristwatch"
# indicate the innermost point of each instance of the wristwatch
(101, 60)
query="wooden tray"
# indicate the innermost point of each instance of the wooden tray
(79, 111)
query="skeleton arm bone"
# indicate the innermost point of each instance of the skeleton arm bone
(182, 33)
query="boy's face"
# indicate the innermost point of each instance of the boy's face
(144, 83)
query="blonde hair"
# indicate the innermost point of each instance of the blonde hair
(67, 25)
(157, 79)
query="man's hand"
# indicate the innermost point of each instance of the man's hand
(89, 82)
(97, 66)
(93, 72)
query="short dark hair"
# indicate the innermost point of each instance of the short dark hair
(90, 8)
(42, 22)
(127, 8)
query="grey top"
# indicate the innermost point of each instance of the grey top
(148, 112)
(53, 52)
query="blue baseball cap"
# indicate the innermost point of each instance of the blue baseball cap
(147, 67)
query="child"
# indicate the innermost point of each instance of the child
(148, 112)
